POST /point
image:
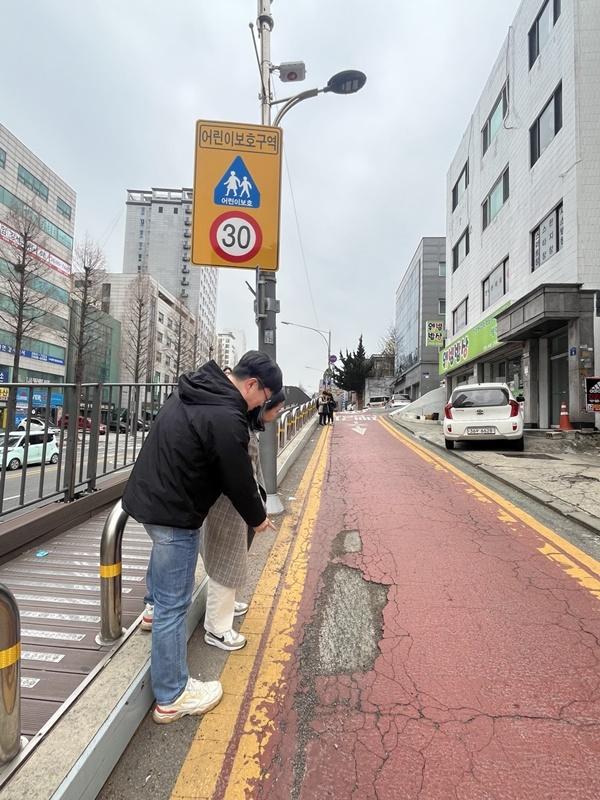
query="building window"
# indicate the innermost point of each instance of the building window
(139, 257)
(460, 186)
(159, 358)
(442, 306)
(547, 238)
(495, 120)
(541, 30)
(459, 316)
(63, 208)
(546, 126)
(161, 317)
(495, 285)
(160, 209)
(106, 298)
(495, 199)
(442, 269)
(169, 324)
(460, 250)
(27, 179)
(168, 361)
(159, 336)
(2, 157)
(142, 221)
(175, 210)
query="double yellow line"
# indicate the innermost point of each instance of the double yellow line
(260, 666)
(577, 564)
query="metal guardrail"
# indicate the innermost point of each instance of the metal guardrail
(11, 740)
(88, 431)
(111, 629)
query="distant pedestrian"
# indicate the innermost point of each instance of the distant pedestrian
(196, 450)
(331, 407)
(322, 408)
(224, 542)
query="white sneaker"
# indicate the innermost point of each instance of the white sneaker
(148, 617)
(240, 608)
(230, 640)
(197, 698)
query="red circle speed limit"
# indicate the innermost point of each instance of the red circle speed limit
(235, 236)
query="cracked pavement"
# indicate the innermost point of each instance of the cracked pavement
(485, 680)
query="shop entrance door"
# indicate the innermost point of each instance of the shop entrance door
(559, 375)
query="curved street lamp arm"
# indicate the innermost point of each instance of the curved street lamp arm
(293, 101)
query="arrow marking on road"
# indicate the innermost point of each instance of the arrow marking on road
(359, 429)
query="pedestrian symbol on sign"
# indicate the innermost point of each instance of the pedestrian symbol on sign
(237, 187)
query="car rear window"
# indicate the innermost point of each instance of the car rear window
(480, 398)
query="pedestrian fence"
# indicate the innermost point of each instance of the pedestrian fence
(111, 629)
(59, 439)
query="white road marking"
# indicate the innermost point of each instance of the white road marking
(359, 429)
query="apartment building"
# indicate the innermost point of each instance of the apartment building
(158, 242)
(523, 216)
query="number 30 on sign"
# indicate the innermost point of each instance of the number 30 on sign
(235, 236)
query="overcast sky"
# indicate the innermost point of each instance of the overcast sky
(107, 92)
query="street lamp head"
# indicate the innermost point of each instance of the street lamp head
(347, 82)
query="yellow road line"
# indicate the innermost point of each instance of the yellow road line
(202, 768)
(512, 512)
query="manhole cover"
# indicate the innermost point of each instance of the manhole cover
(539, 456)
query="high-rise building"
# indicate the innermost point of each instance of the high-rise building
(29, 187)
(420, 299)
(227, 351)
(523, 211)
(158, 242)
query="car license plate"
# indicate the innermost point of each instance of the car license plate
(480, 431)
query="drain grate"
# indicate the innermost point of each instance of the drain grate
(538, 456)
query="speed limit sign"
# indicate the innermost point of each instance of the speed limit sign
(237, 189)
(235, 236)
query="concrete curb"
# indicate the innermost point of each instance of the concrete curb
(566, 509)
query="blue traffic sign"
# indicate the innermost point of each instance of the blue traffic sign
(237, 187)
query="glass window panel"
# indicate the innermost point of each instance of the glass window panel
(546, 127)
(545, 24)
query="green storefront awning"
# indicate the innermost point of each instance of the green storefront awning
(472, 343)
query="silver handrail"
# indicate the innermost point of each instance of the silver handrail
(11, 740)
(111, 629)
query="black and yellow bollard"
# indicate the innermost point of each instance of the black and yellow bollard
(10, 677)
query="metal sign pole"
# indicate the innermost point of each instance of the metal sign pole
(267, 306)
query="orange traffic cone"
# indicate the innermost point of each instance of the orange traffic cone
(565, 422)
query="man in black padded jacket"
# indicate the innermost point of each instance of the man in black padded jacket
(196, 450)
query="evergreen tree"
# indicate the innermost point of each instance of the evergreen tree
(352, 374)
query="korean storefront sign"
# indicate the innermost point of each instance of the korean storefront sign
(434, 333)
(471, 344)
(592, 394)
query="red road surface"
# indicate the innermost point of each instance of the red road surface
(485, 681)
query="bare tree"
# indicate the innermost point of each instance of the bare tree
(136, 332)
(24, 302)
(388, 341)
(89, 273)
(185, 342)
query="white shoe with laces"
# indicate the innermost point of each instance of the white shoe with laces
(230, 640)
(197, 698)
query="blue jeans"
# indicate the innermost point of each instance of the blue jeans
(170, 583)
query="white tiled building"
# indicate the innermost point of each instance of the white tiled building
(158, 236)
(26, 182)
(227, 350)
(171, 328)
(523, 219)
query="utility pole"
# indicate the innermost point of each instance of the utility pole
(266, 282)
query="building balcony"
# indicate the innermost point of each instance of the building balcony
(187, 234)
(187, 221)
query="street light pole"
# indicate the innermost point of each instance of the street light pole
(266, 282)
(321, 334)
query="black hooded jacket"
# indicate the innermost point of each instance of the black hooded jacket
(196, 450)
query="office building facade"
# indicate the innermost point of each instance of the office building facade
(28, 186)
(420, 298)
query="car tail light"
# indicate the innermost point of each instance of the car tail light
(448, 411)
(514, 408)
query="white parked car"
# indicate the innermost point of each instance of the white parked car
(483, 411)
(37, 424)
(400, 401)
(15, 451)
